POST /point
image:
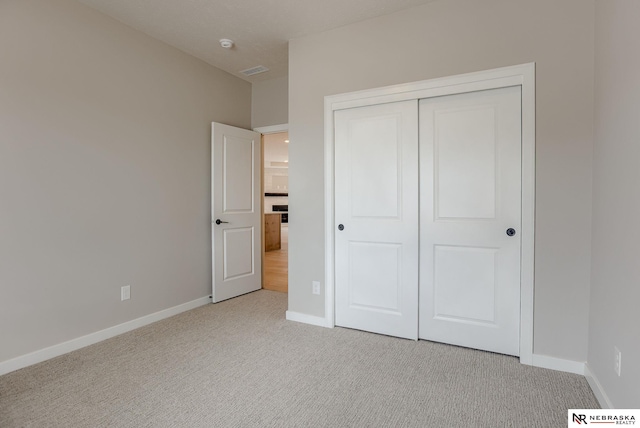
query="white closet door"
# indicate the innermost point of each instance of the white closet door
(470, 198)
(376, 217)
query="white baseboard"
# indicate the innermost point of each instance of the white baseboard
(576, 367)
(307, 319)
(597, 389)
(80, 342)
(559, 364)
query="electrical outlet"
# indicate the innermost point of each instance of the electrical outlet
(125, 292)
(618, 360)
(315, 287)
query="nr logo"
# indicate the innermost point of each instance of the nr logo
(580, 419)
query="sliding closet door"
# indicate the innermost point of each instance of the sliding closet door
(470, 204)
(376, 217)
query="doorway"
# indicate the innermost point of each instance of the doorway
(276, 211)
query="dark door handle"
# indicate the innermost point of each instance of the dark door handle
(218, 221)
(511, 231)
(341, 227)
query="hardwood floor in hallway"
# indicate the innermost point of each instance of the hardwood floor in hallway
(276, 268)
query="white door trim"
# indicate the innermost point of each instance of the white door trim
(519, 75)
(273, 129)
(265, 130)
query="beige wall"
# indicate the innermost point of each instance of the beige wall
(615, 292)
(447, 38)
(104, 172)
(270, 102)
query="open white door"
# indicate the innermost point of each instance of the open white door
(235, 211)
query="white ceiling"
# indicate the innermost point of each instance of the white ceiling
(261, 29)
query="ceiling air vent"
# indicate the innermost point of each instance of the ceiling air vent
(254, 70)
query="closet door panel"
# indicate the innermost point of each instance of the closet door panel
(376, 214)
(470, 214)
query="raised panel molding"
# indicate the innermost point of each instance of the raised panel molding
(386, 285)
(464, 199)
(238, 252)
(382, 164)
(479, 270)
(236, 151)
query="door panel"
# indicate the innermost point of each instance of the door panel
(235, 201)
(376, 199)
(238, 252)
(374, 176)
(238, 194)
(470, 194)
(375, 281)
(464, 284)
(470, 149)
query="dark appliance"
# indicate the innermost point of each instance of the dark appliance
(282, 209)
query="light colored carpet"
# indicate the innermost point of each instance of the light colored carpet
(240, 364)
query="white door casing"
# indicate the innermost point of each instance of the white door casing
(377, 211)
(469, 197)
(519, 75)
(235, 203)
